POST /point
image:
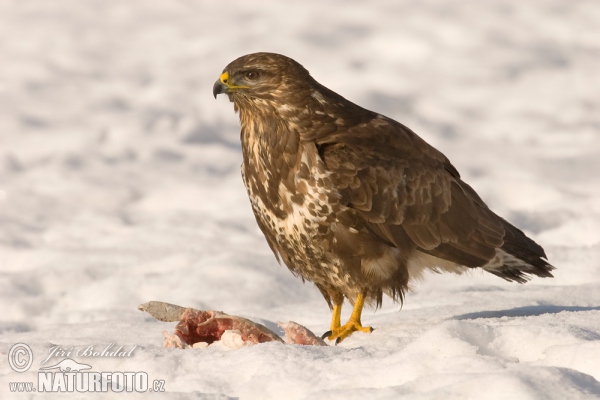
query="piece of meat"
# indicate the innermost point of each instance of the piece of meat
(208, 326)
(298, 334)
(200, 329)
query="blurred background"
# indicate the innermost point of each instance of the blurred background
(119, 172)
(120, 184)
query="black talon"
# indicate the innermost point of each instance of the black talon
(326, 334)
(371, 329)
(338, 340)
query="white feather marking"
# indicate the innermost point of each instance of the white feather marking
(379, 121)
(300, 221)
(318, 96)
(503, 258)
(285, 108)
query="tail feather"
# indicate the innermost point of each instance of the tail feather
(519, 257)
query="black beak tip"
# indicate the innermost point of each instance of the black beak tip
(218, 88)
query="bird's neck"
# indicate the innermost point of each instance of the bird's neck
(265, 136)
(271, 153)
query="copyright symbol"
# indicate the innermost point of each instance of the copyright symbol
(20, 357)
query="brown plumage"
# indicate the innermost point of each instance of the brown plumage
(356, 202)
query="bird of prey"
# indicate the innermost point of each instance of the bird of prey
(354, 201)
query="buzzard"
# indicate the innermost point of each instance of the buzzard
(354, 201)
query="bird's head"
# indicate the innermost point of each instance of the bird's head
(261, 76)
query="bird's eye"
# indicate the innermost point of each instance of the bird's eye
(251, 75)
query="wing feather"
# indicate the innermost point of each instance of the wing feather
(409, 194)
(407, 190)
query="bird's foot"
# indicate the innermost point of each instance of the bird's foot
(340, 333)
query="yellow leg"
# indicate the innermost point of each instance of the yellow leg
(339, 333)
(336, 316)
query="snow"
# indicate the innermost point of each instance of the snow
(120, 184)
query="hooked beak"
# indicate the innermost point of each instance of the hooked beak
(220, 85)
(223, 85)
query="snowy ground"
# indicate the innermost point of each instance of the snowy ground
(120, 184)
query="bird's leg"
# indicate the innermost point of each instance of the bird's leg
(335, 315)
(339, 333)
